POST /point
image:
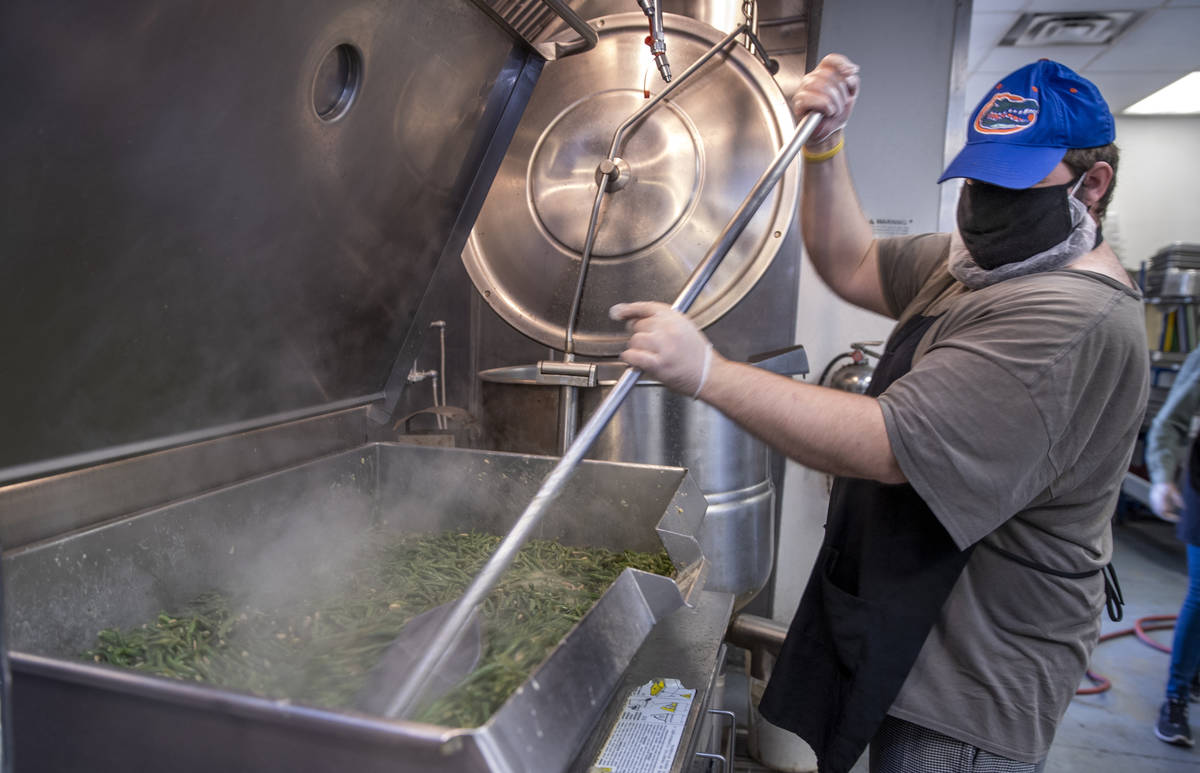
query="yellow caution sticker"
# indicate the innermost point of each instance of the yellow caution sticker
(646, 738)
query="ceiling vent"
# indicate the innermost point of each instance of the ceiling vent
(1079, 28)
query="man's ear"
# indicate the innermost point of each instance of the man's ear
(1095, 183)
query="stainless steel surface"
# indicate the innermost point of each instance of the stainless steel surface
(526, 247)
(1177, 283)
(530, 18)
(686, 646)
(271, 532)
(752, 631)
(731, 466)
(750, 14)
(656, 40)
(36, 469)
(787, 29)
(50, 506)
(587, 36)
(762, 637)
(200, 215)
(853, 377)
(411, 691)
(789, 361)
(450, 292)
(612, 175)
(657, 426)
(723, 15)
(609, 171)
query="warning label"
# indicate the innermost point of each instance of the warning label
(891, 226)
(647, 735)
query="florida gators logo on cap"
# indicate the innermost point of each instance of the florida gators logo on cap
(1006, 113)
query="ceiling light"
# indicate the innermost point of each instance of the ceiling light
(1178, 98)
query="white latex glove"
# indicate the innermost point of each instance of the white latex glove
(1166, 501)
(830, 88)
(666, 345)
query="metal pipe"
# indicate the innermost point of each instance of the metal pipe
(636, 117)
(443, 422)
(568, 416)
(456, 622)
(750, 12)
(751, 631)
(584, 261)
(588, 36)
(657, 39)
(762, 636)
(438, 414)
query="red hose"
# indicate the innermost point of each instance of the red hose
(1139, 629)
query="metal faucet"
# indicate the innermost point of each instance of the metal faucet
(656, 40)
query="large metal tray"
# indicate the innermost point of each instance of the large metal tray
(71, 714)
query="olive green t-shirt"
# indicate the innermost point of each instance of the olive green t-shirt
(1016, 425)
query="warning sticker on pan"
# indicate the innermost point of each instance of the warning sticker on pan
(647, 735)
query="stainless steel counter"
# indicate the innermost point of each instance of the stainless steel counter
(686, 645)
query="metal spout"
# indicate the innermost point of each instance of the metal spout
(657, 40)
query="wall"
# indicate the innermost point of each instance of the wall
(895, 144)
(1157, 200)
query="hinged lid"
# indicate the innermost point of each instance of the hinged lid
(686, 168)
(216, 214)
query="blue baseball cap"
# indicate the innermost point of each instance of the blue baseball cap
(1024, 126)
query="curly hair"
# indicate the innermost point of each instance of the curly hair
(1079, 160)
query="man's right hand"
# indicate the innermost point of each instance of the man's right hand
(1166, 501)
(830, 89)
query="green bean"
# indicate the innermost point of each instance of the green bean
(319, 648)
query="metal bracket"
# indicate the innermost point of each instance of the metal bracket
(578, 374)
(730, 739)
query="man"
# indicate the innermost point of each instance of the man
(1166, 443)
(1002, 417)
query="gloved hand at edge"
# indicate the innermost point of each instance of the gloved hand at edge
(666, 345)
(831, 89)
(1166, 501)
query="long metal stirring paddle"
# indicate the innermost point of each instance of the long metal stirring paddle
(443, 643)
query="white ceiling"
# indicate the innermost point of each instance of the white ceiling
(1161, 46)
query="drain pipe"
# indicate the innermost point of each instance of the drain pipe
(762, 636)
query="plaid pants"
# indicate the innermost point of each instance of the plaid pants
(902, 747)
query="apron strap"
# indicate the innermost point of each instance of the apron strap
(1114, 599)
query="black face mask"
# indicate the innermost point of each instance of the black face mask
(1002, 225)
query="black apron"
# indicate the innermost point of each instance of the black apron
(885, 568)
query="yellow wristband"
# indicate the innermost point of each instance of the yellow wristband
(825, 156)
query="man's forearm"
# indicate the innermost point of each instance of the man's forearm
(825, 429)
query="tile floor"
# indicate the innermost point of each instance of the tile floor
(1113, 732)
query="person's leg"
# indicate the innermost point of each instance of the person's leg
(903, 747)
(1185, 646)
(1173, 724)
